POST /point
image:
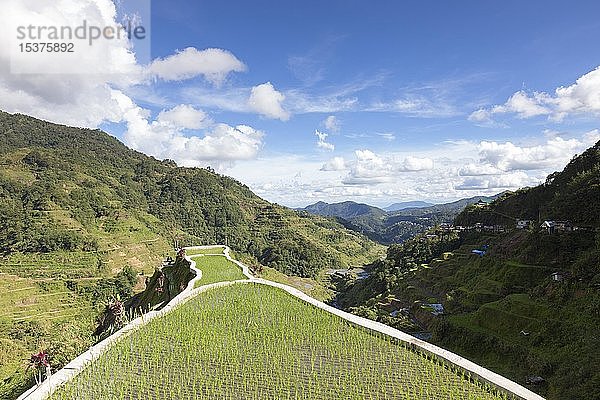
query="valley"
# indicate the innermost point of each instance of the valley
(396, 223)
(83, 231)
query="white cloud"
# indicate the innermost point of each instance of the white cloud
(553, 154)
(580, 98)
(335, 164)
(213, 64)
(225, 142)
(303, 103)
(86, 99)
(184, 116)
(591, 137)
(524, 105)
(73, 99)
(473, 169)
(511, 180)
(507, 165)
(481, 115)
(416, 106)
(219, 147)
(322, 141)
(413, 164)
(331, 123)
(265, 100)
(101, 95)
(459, 170)
(387, 136)
(368, 169)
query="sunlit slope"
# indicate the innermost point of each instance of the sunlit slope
(257, 342)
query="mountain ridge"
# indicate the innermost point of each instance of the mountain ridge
(82, 215)
(388, 227)
(407, 204)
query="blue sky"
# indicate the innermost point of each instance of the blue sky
(421, 100)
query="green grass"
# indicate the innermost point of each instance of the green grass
(249, 341)
(312, 287)
(217, 269)
(214, 250)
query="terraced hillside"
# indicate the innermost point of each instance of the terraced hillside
(81, 215)
(522, 302)
(254, 341)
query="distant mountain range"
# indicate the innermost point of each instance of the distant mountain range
(399, 222)
(346, 210)
(407, 204)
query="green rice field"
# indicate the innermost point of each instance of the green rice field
(217, 269)
(251, 341)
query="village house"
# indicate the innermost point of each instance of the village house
(524, 224)
(446, 227)
(556, 226)
(558, 276)
(481, 204)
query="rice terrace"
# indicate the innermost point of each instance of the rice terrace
(238, 337)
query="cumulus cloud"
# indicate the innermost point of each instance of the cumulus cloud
(265, 100)
(583, 97)
(213, 64)
(556, 152)
(331, 123)
(322, 141)
(184, 133)
(473, 169)
(335, 164)
(74, 99)
(369, 168)
(85, 99)
(184, 116)
(225, 142)
(580, 98)
(506, 181)
(481, 115)
(524, 105)
(458, 171)
(413, 164)
(507, 165)
(163, 138)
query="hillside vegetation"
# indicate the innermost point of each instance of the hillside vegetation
(396, 225)
(81, 215)
(504, 306)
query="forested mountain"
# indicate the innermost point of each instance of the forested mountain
(522, 302)
(346, 210)
(93, 177)
(81, 215)
(388, 227)
(407, 204)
